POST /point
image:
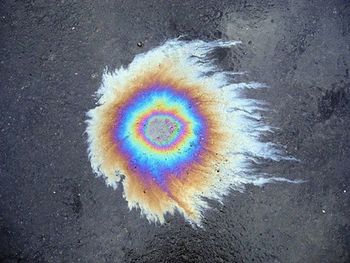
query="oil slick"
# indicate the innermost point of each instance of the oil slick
(173, 128)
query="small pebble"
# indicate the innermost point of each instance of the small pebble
(140, 44)
(323, 211)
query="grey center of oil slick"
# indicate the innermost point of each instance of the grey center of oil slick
(162, 130)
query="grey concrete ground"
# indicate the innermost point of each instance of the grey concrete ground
(53, 53)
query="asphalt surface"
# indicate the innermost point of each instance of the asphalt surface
(53, 53)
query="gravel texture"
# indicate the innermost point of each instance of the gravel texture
(53, 53)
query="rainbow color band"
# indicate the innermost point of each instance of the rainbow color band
(159, 160)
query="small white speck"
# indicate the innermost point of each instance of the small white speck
(323, 211)
(76, 73)
(54, 192)
(344, 191)
(73, 27)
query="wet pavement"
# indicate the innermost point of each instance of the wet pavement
(53, 54)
